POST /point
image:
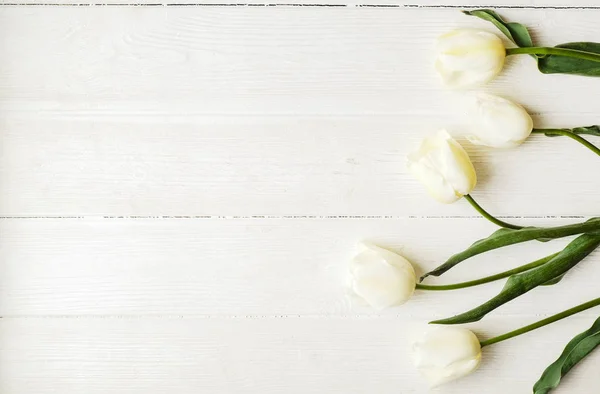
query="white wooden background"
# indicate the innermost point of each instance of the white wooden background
(182, 188)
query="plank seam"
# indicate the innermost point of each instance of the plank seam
(434, 6)
(252, 317)
(279, 217)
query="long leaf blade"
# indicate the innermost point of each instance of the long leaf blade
(575, 351)
(516, 32)
(505, 237)
(555, 64)
(553, 281)
(520, 284)
(588, 130)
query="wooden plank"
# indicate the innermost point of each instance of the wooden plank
(270, 166)
(186, 61)
(267, 355)
(239, 267)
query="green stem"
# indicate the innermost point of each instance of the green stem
(489, 217)
(570, 134)
(487, 279)
(574, 53)
(542, 323)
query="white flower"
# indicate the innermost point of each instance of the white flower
(467, 57)
(446, 353)
(381, 277)
(444, 167)
(498, 122)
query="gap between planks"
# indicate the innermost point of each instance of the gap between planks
(196, 316)
(279, 217)
(433, 6)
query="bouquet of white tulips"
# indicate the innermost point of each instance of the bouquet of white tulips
(467, 58)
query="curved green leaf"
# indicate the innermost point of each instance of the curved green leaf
(553, 281)
(589, 130)
(575, 351)
(505, 237)
(554, 64)
(520, 284)
(516, 32)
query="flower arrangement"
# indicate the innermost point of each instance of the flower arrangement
(468, 58)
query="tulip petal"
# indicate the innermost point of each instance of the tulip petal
(497, 122)
(381, 277)
(443, 167)
(467, 57)
(444, 354)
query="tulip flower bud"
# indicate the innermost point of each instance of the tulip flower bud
(468, 57)
(446, 353)
(381, 277)
(444, 167)
(498, 122)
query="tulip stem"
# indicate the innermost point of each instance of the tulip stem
(487, 279)
(489, 217)
(570, 134)
(543, 322)
(574, 53)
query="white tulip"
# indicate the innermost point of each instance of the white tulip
(446, 353)
(381, 277)
(444, 167)
(467, 57)
(498, 122)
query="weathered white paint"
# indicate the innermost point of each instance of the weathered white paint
(182, 189)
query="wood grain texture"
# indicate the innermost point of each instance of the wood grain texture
(254, 267)
(182, 189)
(266, 355)
(182, 62)
(270, 166)
(273, 111)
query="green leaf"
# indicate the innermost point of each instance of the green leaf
(505, 237)
(516, 32)
(554, 64)
(519, 284)
(553, 281)
(575, 351)
(589, 130)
